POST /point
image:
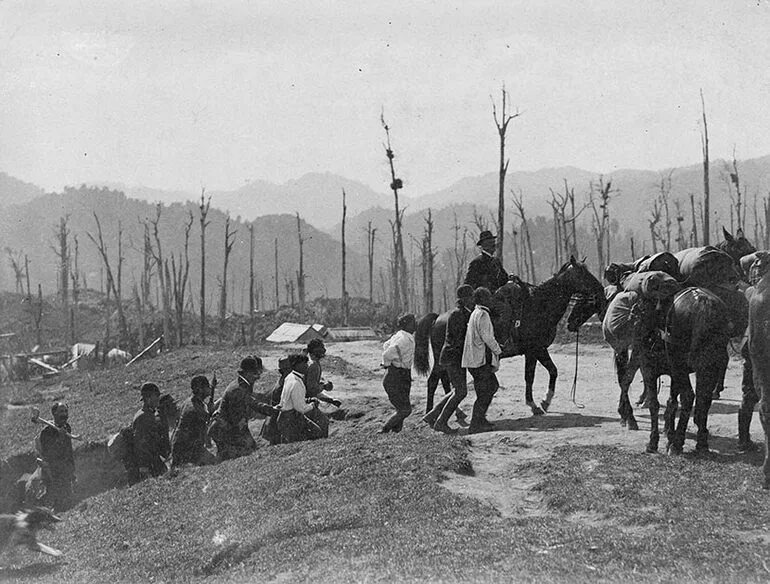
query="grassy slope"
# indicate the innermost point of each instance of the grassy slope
(365, 507)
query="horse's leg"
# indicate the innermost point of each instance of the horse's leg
(650, 381)
(711, 370)
(530, 361)
(719, 386)
(545, 360)
(625, 373)
(680, 379)
(764, 417)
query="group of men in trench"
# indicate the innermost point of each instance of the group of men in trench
(291, 408)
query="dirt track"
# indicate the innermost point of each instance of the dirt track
(520, 435)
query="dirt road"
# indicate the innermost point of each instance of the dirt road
(520, 436)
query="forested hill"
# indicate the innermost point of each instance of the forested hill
(30, 229)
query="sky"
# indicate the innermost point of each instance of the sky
(184, 94)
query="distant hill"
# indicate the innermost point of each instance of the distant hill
(16, 192)
(27, 229)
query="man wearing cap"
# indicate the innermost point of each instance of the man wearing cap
(269, 430)
(485, 270)
(188, 442)
(481, 355)
(58, 460)
(316, 386)
(397, 358)
(151, 443)
(237, 406)
(451, 359)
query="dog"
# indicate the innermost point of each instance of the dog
(21, 530)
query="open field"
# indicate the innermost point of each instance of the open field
(567, 497)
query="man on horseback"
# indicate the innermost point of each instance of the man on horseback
(486, 271)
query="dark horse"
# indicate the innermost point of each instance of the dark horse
(628, 354)
(536, 320)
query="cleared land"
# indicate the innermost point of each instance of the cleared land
(567, 497)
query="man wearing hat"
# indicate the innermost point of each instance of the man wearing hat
(316, 386)
(451, 359)
(57, 460)
(188, 442)
(151, 443)
(237, 406)
(486, 271)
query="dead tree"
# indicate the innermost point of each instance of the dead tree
(301, 270)
(601, 220)
(459, 258)
(229, 243)
(732, 178)
(400, 279)
(252, 306)
(681, 240)
(113, 285)
(653, 224)
(371, 234)
(75, 281)
(179, 277)
(428, 256)
(518, 202)
(37, 315)
(163, 276)
(706, 190)
(502, 128)
(14, 258)
(26, 275)
(204, 211)
(61, 249)
(277, 299)
(344, 262)
(694, 238)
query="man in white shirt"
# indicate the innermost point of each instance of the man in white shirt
(291, 421)
(397, 358)
(481, 355)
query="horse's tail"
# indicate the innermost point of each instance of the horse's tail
(422, 343)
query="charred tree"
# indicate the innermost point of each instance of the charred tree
(706, 189)
(229, 243)
(399, 272)
(502, 127)
(345, 307)
(179, 277)
(277, 298)
(518, 202)
(301, 270)
(371, 234)
(204, 211)
(428, 256)
(252, 306)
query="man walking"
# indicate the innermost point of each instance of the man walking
(451, 359)
(397, 358)
(481, 355)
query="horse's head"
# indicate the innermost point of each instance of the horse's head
(589, 291)
(736, 247)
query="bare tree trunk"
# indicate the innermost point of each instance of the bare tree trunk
(370, 238)
(26, 270)
(179, 281)
(229, 242)
(706, 197)
(344, 263)
(204, 210)
(277, 298)
(428, 256)
(252, 307)
(400, 278)
(694, 220)
(301, 271)
(502, 128)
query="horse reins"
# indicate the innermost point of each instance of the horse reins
(573, 391)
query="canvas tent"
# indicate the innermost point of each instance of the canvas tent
(360, 333)
(291, 332)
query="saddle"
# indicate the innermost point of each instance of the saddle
(516, 293)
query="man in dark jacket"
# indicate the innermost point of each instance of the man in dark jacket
(450, 358)
(188, 442)
(151, 443)
(238, 404)
(58, 460)
(485, 270)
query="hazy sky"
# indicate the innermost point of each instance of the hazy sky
(180, 94)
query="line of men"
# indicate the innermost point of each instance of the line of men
(470, 345)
